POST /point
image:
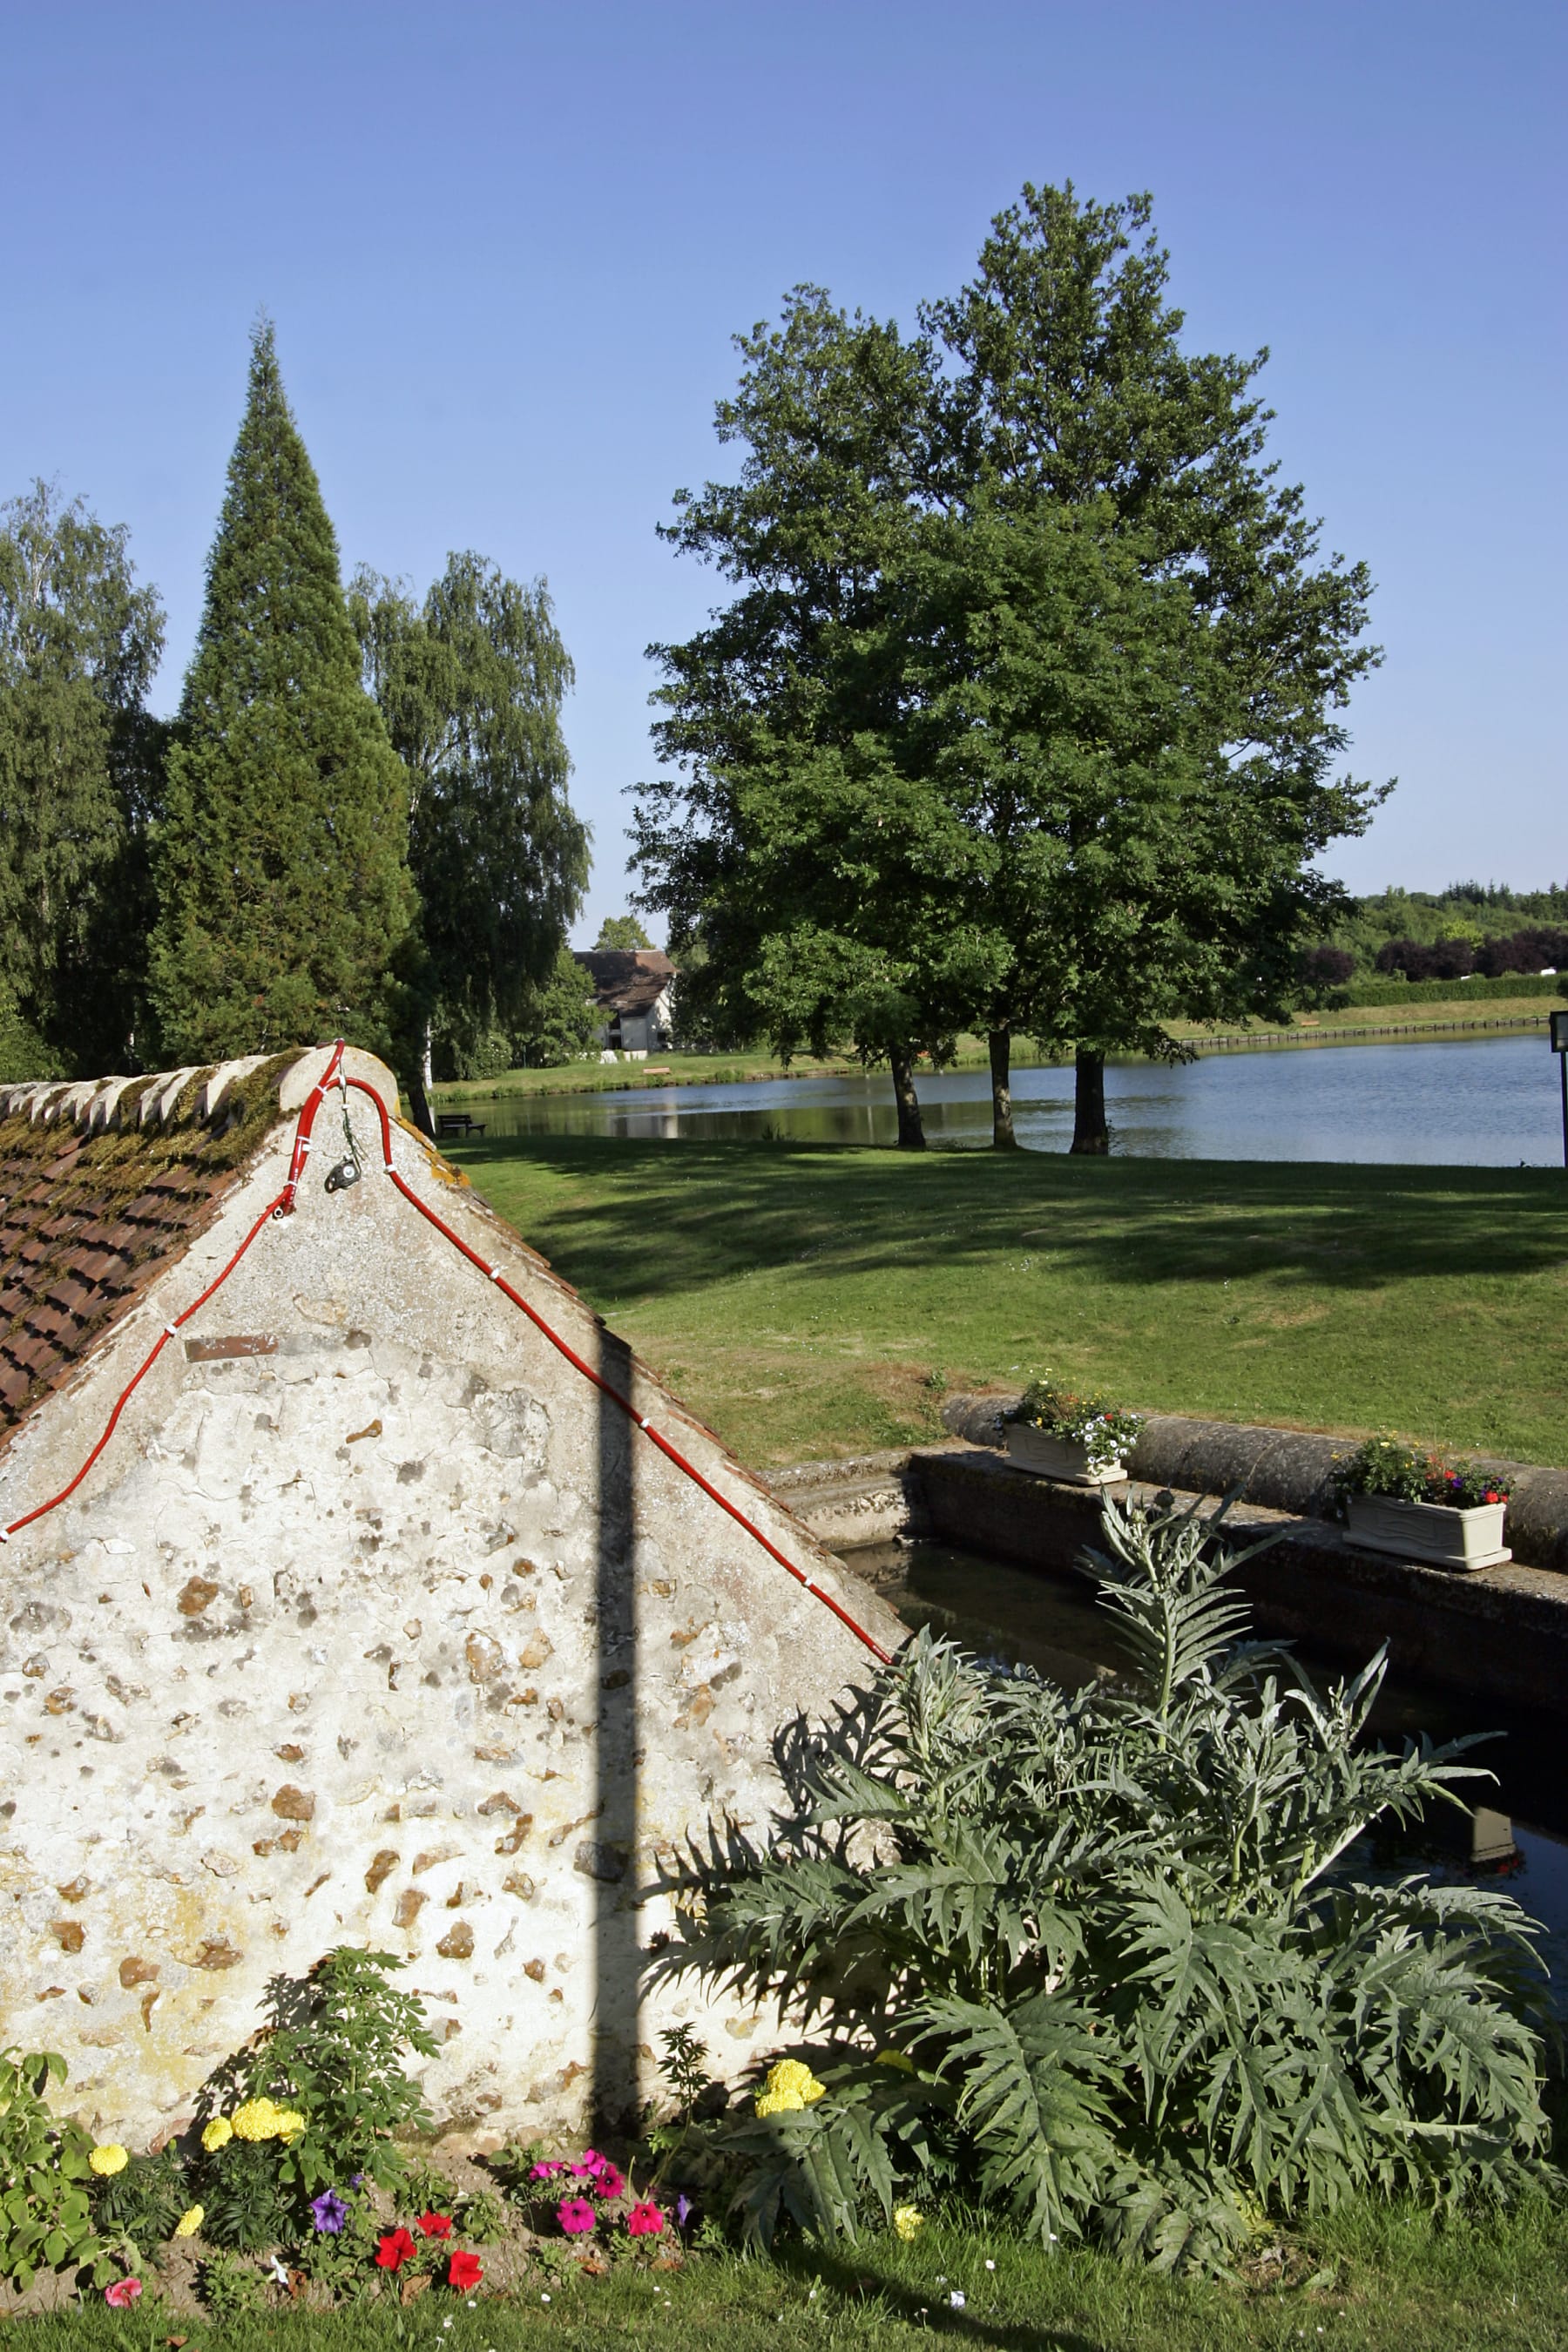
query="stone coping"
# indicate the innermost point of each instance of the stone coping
(1288, 1470)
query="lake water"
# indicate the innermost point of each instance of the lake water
(1053, 1623)
(1471, 1101)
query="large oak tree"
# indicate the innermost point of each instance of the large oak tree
(1030, 570)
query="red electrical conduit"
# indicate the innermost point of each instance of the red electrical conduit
(282, 1206)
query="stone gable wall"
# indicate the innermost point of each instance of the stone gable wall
(376, 1625)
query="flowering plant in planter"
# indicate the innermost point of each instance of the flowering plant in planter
(1386, 1466)
(1106, 1431)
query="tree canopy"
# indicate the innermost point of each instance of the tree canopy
(470, 683)
(80, 641)
(622, 931)
(1023, 713)
(285, 903)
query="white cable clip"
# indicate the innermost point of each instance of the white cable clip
(5, 1535)
(495, 1274)
(171, 1330)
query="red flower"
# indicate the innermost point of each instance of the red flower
(645, 2220)
(436, 2225)
(395, 2249)
(464, 2271)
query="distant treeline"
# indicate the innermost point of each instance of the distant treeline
(1472, 930)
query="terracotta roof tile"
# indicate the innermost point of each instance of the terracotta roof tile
(88, 1220)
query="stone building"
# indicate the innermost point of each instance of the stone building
(374, 1620)
(634, 993)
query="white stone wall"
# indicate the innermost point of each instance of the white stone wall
(388, 1634)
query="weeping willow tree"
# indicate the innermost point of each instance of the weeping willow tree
(1110, 1959)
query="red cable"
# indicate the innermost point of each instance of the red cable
(282, 1206)
(607, 1388)
(146, 1365)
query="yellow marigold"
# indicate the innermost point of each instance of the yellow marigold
(908, 2219)
(256, 2119)
(190, 2221)
(791, 2077)
(218, 2134)
(108, 2158)
(290, 2124)
(779, 2103)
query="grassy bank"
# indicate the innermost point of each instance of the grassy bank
(809, 1301)
(749, 1068)
(1367, 2281)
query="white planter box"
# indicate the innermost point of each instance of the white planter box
(1057, 1457)
(1428, 1531)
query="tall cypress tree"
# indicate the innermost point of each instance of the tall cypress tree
(285, 902)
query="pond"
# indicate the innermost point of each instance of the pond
(1518, 1834)
(1478, 1101)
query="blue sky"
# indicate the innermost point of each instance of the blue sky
(506, 247)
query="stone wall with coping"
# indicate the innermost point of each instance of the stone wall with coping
(1288, 1470)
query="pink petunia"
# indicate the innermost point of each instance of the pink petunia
(576, 2216)
(609, 2183)
(645, 2220)
(122, 2293)
(545, 2172)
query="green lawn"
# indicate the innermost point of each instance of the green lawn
(1368, 2281)
(809, 1301)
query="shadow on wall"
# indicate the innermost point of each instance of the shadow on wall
(607, 1856)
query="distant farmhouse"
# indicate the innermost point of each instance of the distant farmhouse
(634, 989)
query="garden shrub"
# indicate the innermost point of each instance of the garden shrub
(316, 2096)
(46, 2176)
(1109, 1957)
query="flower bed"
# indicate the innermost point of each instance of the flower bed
(1421, 1506)
(1065, 1434)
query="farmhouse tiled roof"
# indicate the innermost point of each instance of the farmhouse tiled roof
(626, 980)
(101, 1187)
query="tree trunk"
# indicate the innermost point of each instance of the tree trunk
(426, 1074)
(911, 1134)
(999, 1042)
(1089, 1132)
(419, 1103)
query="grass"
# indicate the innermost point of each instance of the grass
(1369, 2280)
(809, 1301)
(739, 1068)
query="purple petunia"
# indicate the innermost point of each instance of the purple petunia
(682, 2211)
(330, 2213)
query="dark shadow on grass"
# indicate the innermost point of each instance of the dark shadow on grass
(721, 1210)
(861, 2278)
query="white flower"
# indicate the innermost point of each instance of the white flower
(956, 2298)
(989, 2264)
(278, 2270)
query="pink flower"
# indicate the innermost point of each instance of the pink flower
(122, 2293)
(609, 2183)
(576, 2215)
(645, 2220)
(545, 2172)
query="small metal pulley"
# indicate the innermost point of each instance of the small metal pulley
(347, 1171)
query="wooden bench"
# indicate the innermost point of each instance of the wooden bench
(450, 1124)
